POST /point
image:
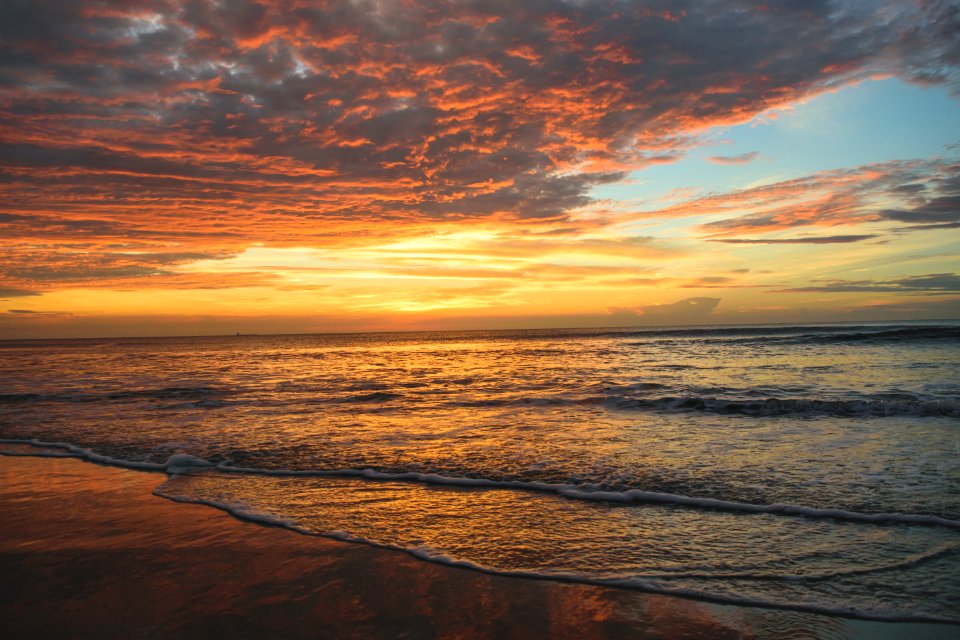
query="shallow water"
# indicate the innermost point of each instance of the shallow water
(810, 467)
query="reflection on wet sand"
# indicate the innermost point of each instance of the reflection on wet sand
(87, 551)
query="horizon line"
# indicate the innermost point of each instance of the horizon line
(645, 328)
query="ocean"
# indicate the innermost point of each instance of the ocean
(812, 467)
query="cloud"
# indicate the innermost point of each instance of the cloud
(929, 283)
(718, 282)
(916, 308)
(928, 227)
(941, 210)
(811, 240)
(742, 158)
(686, 310)
(158, 143)
(184, 114)
(839, 197)
(52, 274)
(29, 313)
(95, 265)
(17, 293)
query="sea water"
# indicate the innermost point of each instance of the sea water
(803, 467)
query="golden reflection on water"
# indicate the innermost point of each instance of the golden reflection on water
(565, 409)
(555, 407)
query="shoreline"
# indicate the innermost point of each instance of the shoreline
(88, 548)
(184, 462)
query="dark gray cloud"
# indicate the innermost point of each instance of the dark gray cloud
(926, 227)
(937, 206)
(928, 283)
(6, 293)
(914, 308)
(940, 210)
(29, 313)
(842, 239)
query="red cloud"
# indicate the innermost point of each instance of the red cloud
(156, 125)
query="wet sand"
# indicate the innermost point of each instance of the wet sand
(87, 552)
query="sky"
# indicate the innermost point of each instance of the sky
(207, 167)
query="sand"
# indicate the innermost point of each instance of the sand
(87, 552)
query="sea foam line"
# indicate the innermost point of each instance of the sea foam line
(423, 552)
(185, 463)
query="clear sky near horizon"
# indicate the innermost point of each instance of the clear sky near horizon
(189, 167)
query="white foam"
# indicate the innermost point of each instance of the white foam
(641, 583)
(86, 454)
(180, 463)
(242, 511)
(177, 463)
(183, 463)
(628, 496)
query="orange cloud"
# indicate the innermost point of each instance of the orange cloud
(155, 143)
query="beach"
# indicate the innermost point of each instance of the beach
(87, 551)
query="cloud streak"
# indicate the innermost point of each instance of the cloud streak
(686, 310)
(928, 283)
(927, 192)
(742, 158)
(16, 293)
(842, 239)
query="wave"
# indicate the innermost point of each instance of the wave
(199, 393)
(874, 406)
(792, 406)
(617, 397)
(185, 463)
(376, 396)
(10, 398)
(899, 334)
(798, 333)
(735, 331)
(833, 335)
(651, 583)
